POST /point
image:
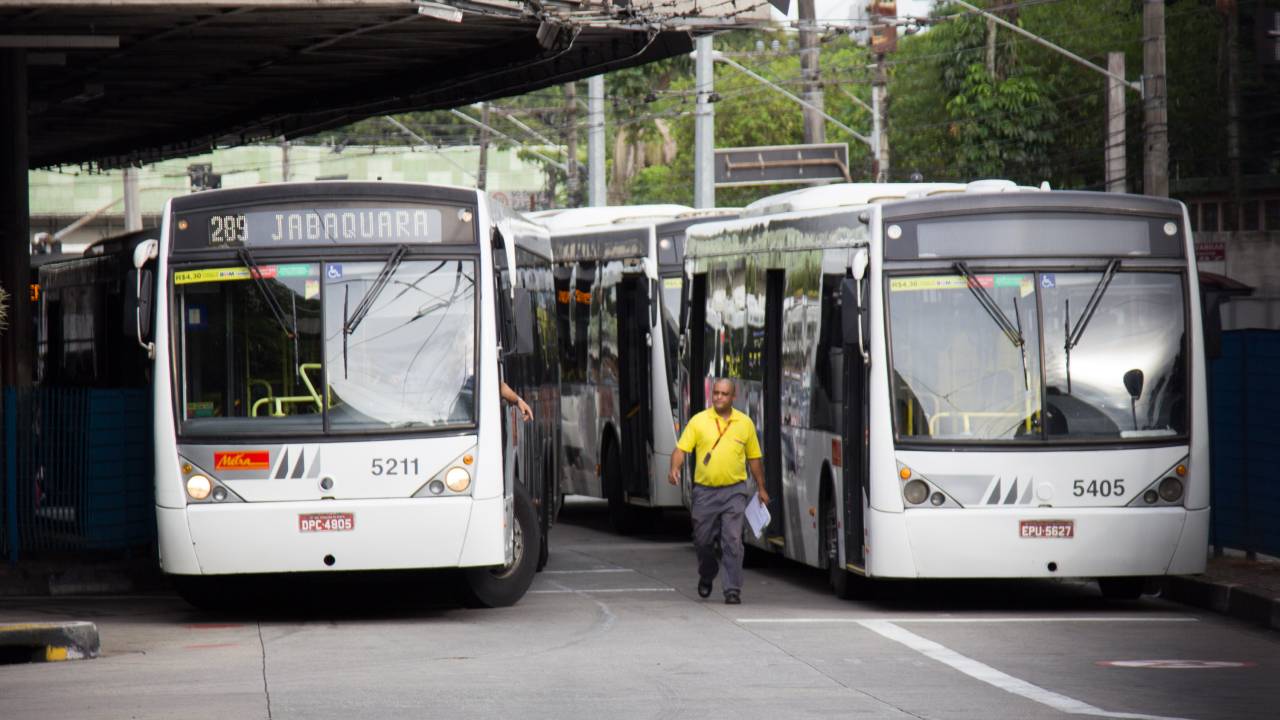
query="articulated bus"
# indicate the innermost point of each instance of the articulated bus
(963, 381)
(618, 277)
(329, 360)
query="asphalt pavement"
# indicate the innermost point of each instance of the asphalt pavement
(613, 627)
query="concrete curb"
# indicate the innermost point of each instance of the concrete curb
(1230, 599)
(48, 642)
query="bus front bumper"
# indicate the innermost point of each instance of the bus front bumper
(981, 543)
(392, 534)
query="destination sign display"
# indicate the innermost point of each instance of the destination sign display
(260, 227)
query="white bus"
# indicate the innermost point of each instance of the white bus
(963, 381)
(328, 365)
(618, 278)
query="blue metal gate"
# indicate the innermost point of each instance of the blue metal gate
(77, 470)
(1244, 400)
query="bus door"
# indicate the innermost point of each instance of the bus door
(775, 287)
(634, 372)
(854, 436)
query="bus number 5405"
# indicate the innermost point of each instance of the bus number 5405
(1098, 488)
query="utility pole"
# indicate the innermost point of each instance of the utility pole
(132, 206)
(815, 131)
(1115, 157)
(1155, 105)
(704, 131)
(884, 39)
(880, 120)
(1232, 18)
(482, 171)
(595, 142)
(572, 181)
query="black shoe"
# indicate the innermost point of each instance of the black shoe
(704, 588)
(732, 598)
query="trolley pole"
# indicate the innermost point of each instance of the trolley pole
(704, 131)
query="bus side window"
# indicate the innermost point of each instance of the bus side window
(829, 360)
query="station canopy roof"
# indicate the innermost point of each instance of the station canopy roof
(118, 82)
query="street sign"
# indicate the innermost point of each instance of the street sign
(782, 164)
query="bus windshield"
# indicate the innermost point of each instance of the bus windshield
(1114, 357)
(364, 346)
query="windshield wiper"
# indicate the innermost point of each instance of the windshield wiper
(380, 282)
(255, 272)
(1014, 333)
(1073, 336)
(980, 293)
(1073, 339)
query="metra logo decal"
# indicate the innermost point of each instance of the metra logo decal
(245, 460)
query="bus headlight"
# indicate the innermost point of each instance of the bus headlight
(1170, 489)
(915, 491)
(199, 487)
(457, 479)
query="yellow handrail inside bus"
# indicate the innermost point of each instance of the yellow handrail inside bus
(280, 402)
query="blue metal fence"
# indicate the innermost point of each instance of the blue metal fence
(76, 472)
(1244, 406)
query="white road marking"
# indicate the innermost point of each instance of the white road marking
(606, 547)
(591, 570)
(589, 591)
(1178, 664)
(857, 621)
(994, 677)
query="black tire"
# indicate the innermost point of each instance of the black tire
(843, 583)
(622, 517)
(547, 513)
(1122, 588)
(214, 593)
(491, 587)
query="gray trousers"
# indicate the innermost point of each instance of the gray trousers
(718, 513)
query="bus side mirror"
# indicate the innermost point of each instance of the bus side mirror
(860, 260)
(852, 316)
(522, 310)
(140, 292)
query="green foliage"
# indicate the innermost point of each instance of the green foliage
(1002, 128)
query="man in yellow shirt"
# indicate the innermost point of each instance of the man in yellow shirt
(723, 442)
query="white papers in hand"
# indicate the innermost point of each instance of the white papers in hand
(757, 516)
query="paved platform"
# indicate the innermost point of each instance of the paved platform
(1237, 586)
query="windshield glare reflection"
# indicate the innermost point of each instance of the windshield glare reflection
(411, 361)
(958, 378)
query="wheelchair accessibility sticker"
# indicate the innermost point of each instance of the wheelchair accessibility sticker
(333, 271)
(1048, 281)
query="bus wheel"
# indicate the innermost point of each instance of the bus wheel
(502, 586)
(1122, 588)
(213, 594)
(843, 584)
(548, 512)
(622, 517)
